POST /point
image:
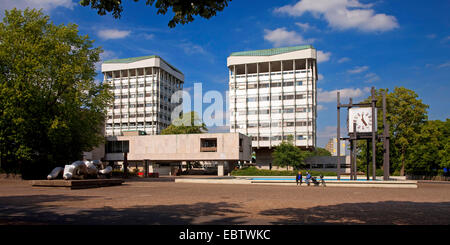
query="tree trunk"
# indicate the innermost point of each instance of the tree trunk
(402, 170)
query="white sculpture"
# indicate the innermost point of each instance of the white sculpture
(55, 173)
(81, 170)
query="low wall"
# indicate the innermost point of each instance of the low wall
(291, 182)
(424, 177)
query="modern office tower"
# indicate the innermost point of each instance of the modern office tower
(142, 87)
(273, 97)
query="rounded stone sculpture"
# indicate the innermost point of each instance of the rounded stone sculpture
(80, 170)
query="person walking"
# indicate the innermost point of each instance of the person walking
(308, 178)
(322, 180)
(298, 179)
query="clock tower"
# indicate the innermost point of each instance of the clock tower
(362, 117)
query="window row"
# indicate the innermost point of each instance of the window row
(142, 85)
(131, 124)
(278, 137)
(125, 106)
(130, 115)
(273, 124)
(273, 111)
(266, 85)
(278, 124)
(267, 73)
(142, 95)
(274, 98)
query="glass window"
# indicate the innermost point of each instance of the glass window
(252, 99)
(208, 145)
(289, 110)
(264, 98)
(117, 146)
(264, 111)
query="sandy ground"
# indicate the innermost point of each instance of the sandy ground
(143, 202)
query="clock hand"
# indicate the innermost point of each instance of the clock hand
(362, 119)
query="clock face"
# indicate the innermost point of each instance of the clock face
(362, 118)
(363, 121)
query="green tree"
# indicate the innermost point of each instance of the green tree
(406, 113)
(320, 152)
(287, 154)
(430, 151)
(188, 123)
(51, 108)
(184, 11)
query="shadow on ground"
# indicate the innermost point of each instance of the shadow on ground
(37, 210)
(376, 213)
(58, 209)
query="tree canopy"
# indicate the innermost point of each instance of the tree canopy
(188, 123)
(51, 108)
(287, 154)
(410, 134)
(184, 11)
(431, 149)
(320, 152)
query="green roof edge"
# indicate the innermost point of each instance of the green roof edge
(134, 59)
(272, 51)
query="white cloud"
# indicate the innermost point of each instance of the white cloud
(330, 131)
(446, 64)
(331, 96)
(113, 34)
(326, 133)
(148, 36)
(321, 107)
(323, 56)
(358, 69)
(371, 77)
(106, 55)
(343, 14)
(305, 26)
(446, 39)
(190, 48)
(280, 37)
(320, 77)
(343, 59)
(46, 5)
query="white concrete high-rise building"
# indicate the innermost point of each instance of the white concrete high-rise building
(142, 87)
(273, 96)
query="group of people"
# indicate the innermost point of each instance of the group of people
(309, 179)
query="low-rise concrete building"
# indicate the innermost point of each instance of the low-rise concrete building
(164, 153)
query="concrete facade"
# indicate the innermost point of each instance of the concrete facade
(273, 95)
(143, 89)
(221, 149)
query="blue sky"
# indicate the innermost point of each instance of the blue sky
(360, 43)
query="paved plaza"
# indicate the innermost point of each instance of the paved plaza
(166, 202)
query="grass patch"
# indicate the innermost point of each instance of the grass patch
(253, 171)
